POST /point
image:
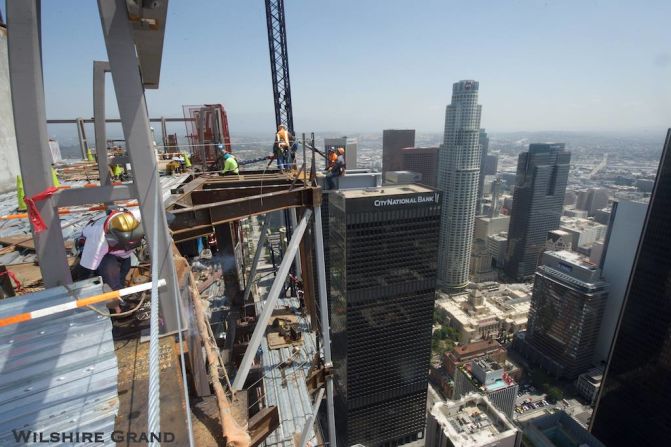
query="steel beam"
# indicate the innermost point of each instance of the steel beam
(324, 323)
(101, 194)
(81, 133)
(269, 305)
(297, 263)
(309, 424)
(257, 255)
(164, 134)
(116, 120)
(129, 90)
(27, 89)
(203, 217)
(99, 70)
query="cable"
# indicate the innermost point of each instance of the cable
(122, 314)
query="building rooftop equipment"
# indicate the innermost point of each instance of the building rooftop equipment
(471, 421)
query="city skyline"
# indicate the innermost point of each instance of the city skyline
(532, 34)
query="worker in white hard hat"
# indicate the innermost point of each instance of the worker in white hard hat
(108, 243)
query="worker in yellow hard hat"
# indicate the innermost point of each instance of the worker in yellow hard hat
(106, 246)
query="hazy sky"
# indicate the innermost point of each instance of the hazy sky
(365, 65)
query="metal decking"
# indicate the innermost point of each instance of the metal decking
(58, 374)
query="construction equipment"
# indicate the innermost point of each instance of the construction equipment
(207, 131)
(279, 64)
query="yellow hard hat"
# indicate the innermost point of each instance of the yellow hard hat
(124, 221)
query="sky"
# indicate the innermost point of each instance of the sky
(367, 65)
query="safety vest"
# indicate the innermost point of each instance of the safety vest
(231, 165)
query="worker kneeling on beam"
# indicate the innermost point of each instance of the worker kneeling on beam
(107, 246)
(232, 165)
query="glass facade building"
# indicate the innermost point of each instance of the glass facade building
(393, 140)
(383, 251)
(567, 305)
(633, 408)
(538, 200)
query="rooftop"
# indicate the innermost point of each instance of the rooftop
(386, 191)
(472, 421)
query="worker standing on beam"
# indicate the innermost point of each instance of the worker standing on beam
(281, 149)
(107, 246)
(336, 170)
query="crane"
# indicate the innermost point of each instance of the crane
(279, 63)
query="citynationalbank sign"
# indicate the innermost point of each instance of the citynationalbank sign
(408, 200)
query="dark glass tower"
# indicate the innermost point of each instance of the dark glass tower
(633, 408)
(567, 305)
(383, 277)
(393, 140)
(538, 200)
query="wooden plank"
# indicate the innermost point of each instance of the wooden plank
(26, 241)
(29, 274)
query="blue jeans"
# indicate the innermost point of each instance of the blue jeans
(331, 178)
(282, 162)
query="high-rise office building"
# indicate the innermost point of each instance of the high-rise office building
(423, 160)
(633, 406)
(484, 149)
(393, 140)
(617, 261)
(540, 184)
(351, 154)
(569, 297)
(458, 174)
(383, 275)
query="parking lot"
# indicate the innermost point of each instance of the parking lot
(530, 399)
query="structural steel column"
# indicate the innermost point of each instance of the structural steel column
(309, 424)
(81, 133)
(99, 70)
(297, 263)
(27, 86)
(324, 317)
(257, 255)
(135, 122)
(269, 305)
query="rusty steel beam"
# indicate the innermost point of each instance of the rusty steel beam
(221, 195)
(263, 424)
(243, 182)
(198, 220)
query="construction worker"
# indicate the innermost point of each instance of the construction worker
(231, 163)
(281, 147)
(107, 246)
(331, 158)
(336, 170)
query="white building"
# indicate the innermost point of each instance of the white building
(458, 176)
(588, 384)
(617, 260)
(584, 231)
(496, 244)
(486, 311)
(470, 422)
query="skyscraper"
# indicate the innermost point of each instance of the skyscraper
(484, 149)
(617, 260)
(538, 200)
(393, 140)
(383, 276)
(423, 160)
(567, 305)
(458, 174)
(633, 406)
